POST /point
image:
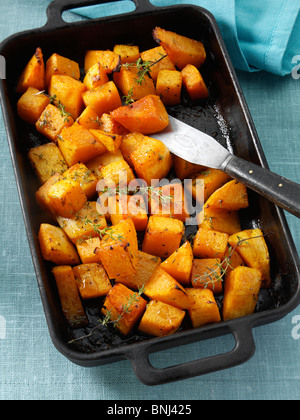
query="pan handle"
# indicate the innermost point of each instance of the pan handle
(149, 375)
(57, 7)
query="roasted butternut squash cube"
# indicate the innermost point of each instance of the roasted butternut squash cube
(152, 160)
(121, 207)
(103, 99)
(95, 76)
(52, 121)
(56, 246)
(47, 160)
(31, 104)
(168, 87)
(109, 60)
(147, 115)
(128, 82)
(193, 82)
(34, 73)
(58, 64)
(86, 223)
(77, 144)
(96, 164)
(163, 287)
(207, 274)
(42, 195)
(110, 141)
(163, 236)
(69, 297)
(117, 173)
(161, 319)
(67, 197)
(213, 179)
(119, 249)
(250, 244)
(92, 280)
(129, 144)
(169, 201)
(179, 265)
(231, 196)
(127, 53)
(89, 118)
(205, 309)
(221, 220)
(210, 244)
(231, 261)
(88, 250)
(146, 266)
(184, 169)
(84, 176)
(69, 92)
(159, 61)
(180, 49)
(109, 125)
(241, 292)
(124, 308)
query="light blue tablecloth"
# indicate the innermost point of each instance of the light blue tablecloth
(30, 366)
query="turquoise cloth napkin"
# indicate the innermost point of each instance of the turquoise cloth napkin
(259, 35)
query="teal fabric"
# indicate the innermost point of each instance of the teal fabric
(30, 366)
(260, 35)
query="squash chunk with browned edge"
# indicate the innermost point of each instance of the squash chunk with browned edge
(117, 173)
(84, 176)
(123, 307)
(42, 198)
(103, 99)
(88, 250)
(95, 76)
(108, 59)
(146, 266)
(127, 53)
(207, 274)
(180, 49)
(242, 288)
(121, 207)
(69, 92)
(163, 287)
(210, 244)
(52, 121)
(92, 280)
(161, 319)
(148, 115)
(77, 144)
(69, 297)
(99, 162)
(205, 309)
(219, 219)
(31, 104)
(158, 60)
(119, 249)
(213, 179)
(86, 223)
(130, 84)
(58, 64)
(56, 246)
(163, 236)
(34, 73)
(129, 144)
(152, 160)
(232, 196)
(47, 160)
(193, 82)
(168, 87)
(179, 265)
(250, 244)
(110, 141)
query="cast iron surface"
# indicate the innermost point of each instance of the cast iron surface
(225, 116)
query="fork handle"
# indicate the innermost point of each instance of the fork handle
(281, 191)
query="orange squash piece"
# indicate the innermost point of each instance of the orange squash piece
(56, 246)
(103, 99)
(31, 104)
(185, 169)
(125, 308)
(41, 195)
(213, 179)
(58, 64)
(52, 121)
(69, 297)
(163, 236)
(147, 115)
(207, 274)
(250, 244)
(163, 287)
(111, 142)
(108, 59)
(241, 292)
(95, 76)
(179, 265)
(127, 53)
(193, 82)
(231, 196)
(34, 73)
(109, 125)
(129, 144)
(116, 173)
(96, 164)
(161, 319)
(85, 177)
(168, 87)
(88, 250)
(205, 309)
(180, 49)
(159, 61)
(210, 244)
(127, 80)
(89, 118)
(221, 220)
(125, 206)
(92, 280)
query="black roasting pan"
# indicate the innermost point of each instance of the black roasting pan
(225, 116)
